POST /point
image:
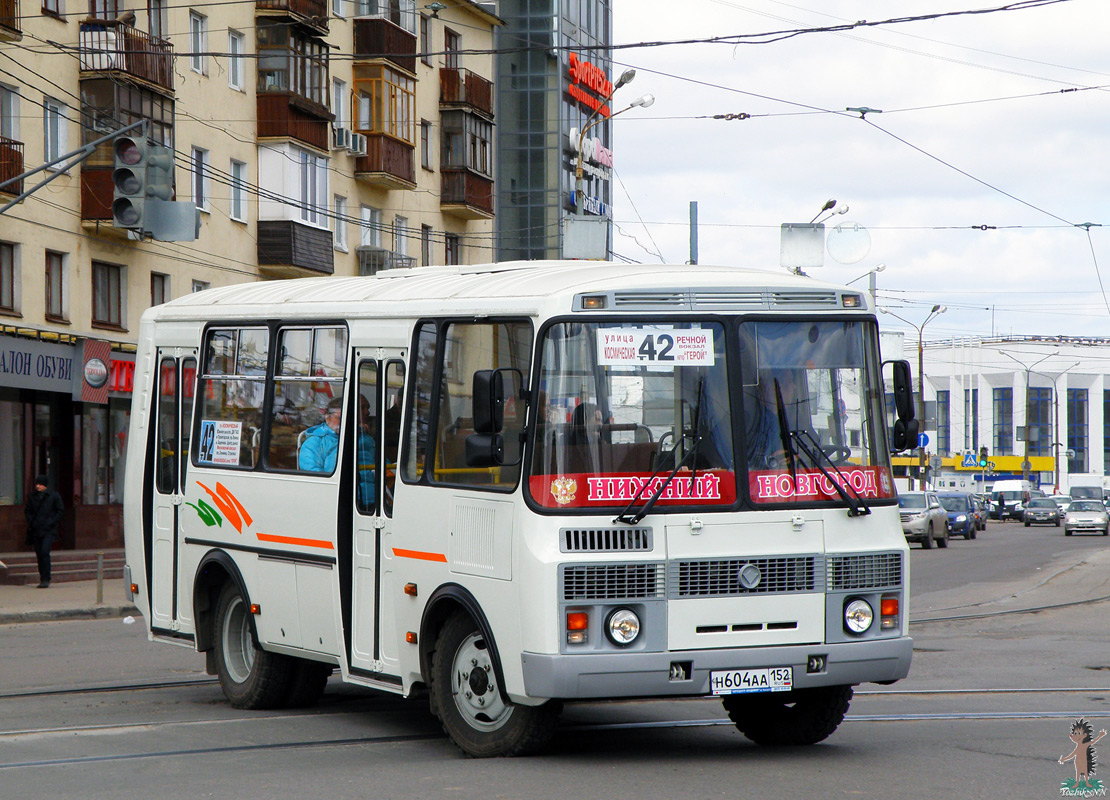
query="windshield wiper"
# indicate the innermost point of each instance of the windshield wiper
(634, 519)
(856, 506)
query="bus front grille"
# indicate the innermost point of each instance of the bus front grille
(735, 576)
(612, 581)
(605, 540)
(865, 571)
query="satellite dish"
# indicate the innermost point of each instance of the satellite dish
(848, 242)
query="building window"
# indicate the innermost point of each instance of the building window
(339, 101)
(338, 8)
(944, 428)
(314, 187)
(159, 288)
(341, 223)
(971, 419)
(371, 227)
(453, 250)
(9, 113)
(1077, 429)
(200, 286)
(425, 40)
(103, 9)
(291, 61)
(198, 42)
(1106, 431)
(156, 14)
(400, 235)
(238, 191)
(1039, 418)
(7, 277)
(235, 60)
(56, 299)
(426, 245)
(1004, 421)
(54, 129)
(107, 294)
(54, 8)
(452, 44)
(425, 144)
(200, 178)
(386, 102)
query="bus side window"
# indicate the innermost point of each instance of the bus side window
(391, 429)
(367, 437)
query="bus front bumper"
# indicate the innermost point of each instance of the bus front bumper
(685, 673)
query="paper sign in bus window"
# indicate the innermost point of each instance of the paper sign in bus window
(219, 442)
(631, 347)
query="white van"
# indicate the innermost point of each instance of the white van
(1008, 498)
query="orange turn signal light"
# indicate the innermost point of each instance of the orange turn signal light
(410, 589)
(410, 637)
(134, 588)
(256, 609)
(577, 620)
(889, 607)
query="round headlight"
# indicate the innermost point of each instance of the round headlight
(622, 627)
(858, 616)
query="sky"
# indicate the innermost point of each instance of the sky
(993, 119)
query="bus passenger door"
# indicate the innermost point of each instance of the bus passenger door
(381, 376)
(176, 384)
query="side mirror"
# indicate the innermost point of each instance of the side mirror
(485, 450)
(488, 401)
(904, 435)
(903, 389)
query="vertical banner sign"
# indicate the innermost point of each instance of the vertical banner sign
(91, 377)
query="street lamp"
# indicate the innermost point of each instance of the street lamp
(645, 101)
(1025, 465)
(871, 283)
(934, 312)
(1056, 444)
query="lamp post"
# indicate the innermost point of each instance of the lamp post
(870, 274)
(625, 78)
(1025, 450)
(1056, 443)
(934, 312)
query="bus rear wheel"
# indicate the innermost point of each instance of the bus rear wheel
(469, 700)
(250, 677)
(801, 716)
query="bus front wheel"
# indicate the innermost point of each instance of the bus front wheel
(801, 716)
(469, 701)
(250, 677)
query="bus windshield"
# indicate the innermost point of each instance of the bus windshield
(772, 412)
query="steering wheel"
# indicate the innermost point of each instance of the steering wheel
(838, 454)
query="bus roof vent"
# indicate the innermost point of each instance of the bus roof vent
(605, 540)
(651, 300)
(726, 300)
(803, 299)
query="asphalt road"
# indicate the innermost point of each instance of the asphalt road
(985, 713)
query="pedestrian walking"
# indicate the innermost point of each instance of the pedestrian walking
(43, 511)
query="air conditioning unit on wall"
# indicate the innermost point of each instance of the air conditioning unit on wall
(358, 144)
(340, 138)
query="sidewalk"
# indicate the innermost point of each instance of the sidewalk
(66, 600)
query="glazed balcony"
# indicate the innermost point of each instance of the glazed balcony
(109, 46)
(11, 164)
(466, 194)
(461, 87)
(388, 163)
(10, 29)
(377, 38)
(313, 13)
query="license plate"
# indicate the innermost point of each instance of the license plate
(744, 681)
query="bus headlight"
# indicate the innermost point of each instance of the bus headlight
(858, 616)
(622, 627)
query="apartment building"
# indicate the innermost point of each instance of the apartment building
(314, 138)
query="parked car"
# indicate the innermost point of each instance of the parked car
(1042, 511)
(961, 514)
(981, 514)
(1085, 515)
(923, 519)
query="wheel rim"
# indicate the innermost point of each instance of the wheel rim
(238, 648)
(474, 686)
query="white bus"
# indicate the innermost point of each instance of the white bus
(515, 485)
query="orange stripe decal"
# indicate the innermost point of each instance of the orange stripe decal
(269, 537)
(419, 554)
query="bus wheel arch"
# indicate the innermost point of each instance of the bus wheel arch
(216, 569)
(445, 602)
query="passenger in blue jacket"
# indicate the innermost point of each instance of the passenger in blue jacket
(320, 449)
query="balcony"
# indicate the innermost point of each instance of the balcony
(466, 194)
(379, 38)
(287, 115)
(288, 249)
(461, 87)
(313, 13)
(388, 163)
(372, 260)
(110, 46)
(11, 164)
(10, 30)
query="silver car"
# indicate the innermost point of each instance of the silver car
(923, 519)
(1086, 515)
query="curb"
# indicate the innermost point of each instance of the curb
(100, 612)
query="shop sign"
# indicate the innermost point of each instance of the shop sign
(584, 75)
(31, 364)
(91, 385)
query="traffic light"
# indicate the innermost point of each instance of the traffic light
(983, 456)
(159, 172)
(129, 178)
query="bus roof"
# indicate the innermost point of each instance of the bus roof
(518, 286)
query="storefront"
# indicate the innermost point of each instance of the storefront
(64, 411)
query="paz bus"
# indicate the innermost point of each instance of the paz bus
(511, 486)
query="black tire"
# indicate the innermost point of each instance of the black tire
(469, 702)
(1026, 523)
(943, 541)
(802, 716)
(927, 542)
(971, 533)
(1057, 523)
(1067, 532)
(249, 676)
(310, 678)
